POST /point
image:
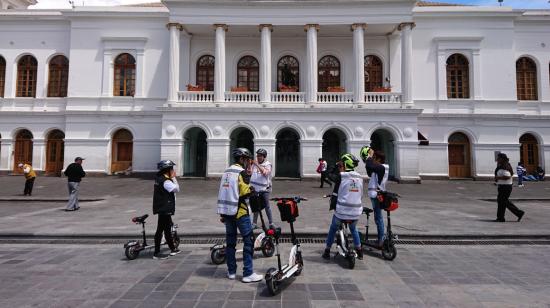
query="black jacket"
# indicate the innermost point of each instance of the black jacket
(164, 202)
(74, 172)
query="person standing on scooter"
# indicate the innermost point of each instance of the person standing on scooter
(232, 207)
(261, 181)
(348, 193)
(378, 173)
(164, 205)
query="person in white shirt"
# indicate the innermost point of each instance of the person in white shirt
(322, 169)
(503, 179)
(260, 179)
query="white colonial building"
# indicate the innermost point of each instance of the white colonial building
(439, 88)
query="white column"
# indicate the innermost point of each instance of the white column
(311, 150)
(5, 153)
(311, 63)
(174, 62)
(476, 65)
(219, 64)
(185, 59)
(406, 61)
(265, 64)
(39, 154)
(140, 72)
(359, 54)
(106, 86)
(442, 75)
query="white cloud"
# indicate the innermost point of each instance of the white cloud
(64, 4)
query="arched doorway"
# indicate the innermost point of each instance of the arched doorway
(287, 154)
(122, 150)
(382, 140)
(23, 149)
(460, 165)
(529, 152)
(194, 155)
(55, 149)
(241, 137)
(334, 145)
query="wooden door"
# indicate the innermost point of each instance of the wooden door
(23, 150)
(55, 149)
(122, 151)
(529, 152)
(459, 156)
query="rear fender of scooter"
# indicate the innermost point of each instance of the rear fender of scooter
(217, 246)
(259, 239)
(131, 243)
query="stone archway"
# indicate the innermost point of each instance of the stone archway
(194, 152)
(122, 149)
(241, 137)
(529, 152)
(23, 149)
(460, 161)
(287, 154)
(383, 140)
(334, 145)
(55, 150)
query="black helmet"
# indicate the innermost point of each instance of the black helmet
(241, 152)
(262, 152)
(350, 161)
(165, 164)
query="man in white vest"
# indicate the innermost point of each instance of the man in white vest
(232, 207)
(260, 179)
(348, 191)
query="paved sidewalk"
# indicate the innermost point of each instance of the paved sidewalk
(433, 208)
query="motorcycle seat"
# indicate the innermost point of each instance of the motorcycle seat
(140, 219)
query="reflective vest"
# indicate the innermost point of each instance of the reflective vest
(31, 174)
(348, 205)
(228, 196)
(259, 181)
(382, 185)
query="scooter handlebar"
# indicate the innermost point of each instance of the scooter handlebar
(297, 198)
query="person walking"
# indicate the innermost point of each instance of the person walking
(322, 169)
(503, 179)
(30, 176)
(378, 171)
(234, 213)
(261, 181)
(521, 171)
(164, 205)
(74, 173)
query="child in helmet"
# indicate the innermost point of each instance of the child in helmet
(164, 205)
(232, 207)
(348, 192)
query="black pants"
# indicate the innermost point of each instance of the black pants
(324, 178)
(164, 225)
(504, 192)
(28, 186)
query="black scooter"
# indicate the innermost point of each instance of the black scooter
(276, 276)
(134, 247)
(389, 252)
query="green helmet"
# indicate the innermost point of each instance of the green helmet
(350, 161)
(364, 153)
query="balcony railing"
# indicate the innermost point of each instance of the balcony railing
(289, 97)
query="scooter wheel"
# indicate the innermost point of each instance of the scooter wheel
(132, 252)
(272, 284)
(217, 256)
(268, 249)
(389, 252)
(351, 261)
(300, 262)
(176, 239)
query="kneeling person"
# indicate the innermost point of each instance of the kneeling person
(348, 205)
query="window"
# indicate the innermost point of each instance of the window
(248, 73)
(288, 73)
(26, 77)
(526, 79)
(58, 76)
(125, 75)
(205, 72)
(458, 77)
(329, 73)
(373, 73)
(2, 75)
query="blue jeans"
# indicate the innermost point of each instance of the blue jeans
(245, 228)
(378, 219)
(336, 222)
(520, 179)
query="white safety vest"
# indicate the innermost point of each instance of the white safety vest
(259, 181)
(373, 182)
(348, 206)
(228, 196)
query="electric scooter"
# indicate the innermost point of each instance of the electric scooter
(389, 252)
(288, 207)
(134, 247)
(343, 245)
(262, 242)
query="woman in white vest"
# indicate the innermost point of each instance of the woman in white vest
(260, 179)
(348, 205)
(378, 172)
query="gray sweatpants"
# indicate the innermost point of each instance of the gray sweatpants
(73, 195)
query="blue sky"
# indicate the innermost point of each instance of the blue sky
(524, 4)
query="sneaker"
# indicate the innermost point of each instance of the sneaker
(160, 256)
(175, 252)
(253, 278)
(326, 254)
(231, 276)
(359, 252)
(521, 185)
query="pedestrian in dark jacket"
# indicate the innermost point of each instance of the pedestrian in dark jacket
(74, 173)
(164, 205)
(503, 179)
